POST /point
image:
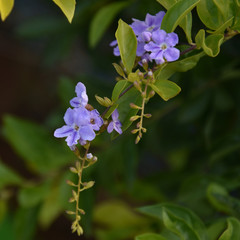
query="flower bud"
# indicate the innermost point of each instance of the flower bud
(137, 86)
(151, 94)
(134, 106)
(134, 118)
(147, 115)
(134, 131)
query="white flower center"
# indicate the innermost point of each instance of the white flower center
(163, 46)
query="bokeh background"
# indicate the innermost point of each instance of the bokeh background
(192, 140)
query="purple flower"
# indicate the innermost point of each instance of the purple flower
(161, 47)
(150, 24)
(115, 123)
(116, 51)
(95, 120)
(82, 99)
(78, 127)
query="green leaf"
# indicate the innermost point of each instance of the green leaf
(214, 13)
(150, 236)
(176, 14)
(32, 195)
(178, 219)
(127, 44)
(102, 20)
(233, 230)
(210, 45)
(220, 199)
(36, 145)
(119, 87)
(185, 24)
(178, 66)
(67, 7)
(8, 176)
(123, 215)
(6, 7)
(125, 112)
(224, 26)
(56, 201)
(166, 89)
(179, 226)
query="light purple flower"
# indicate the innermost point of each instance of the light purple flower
(150, 24)
(77, 126)
(161, 47)
(116, 51)
(115, 124)
(82, 99)
(95, 120)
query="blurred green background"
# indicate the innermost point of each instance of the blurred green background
(190, 151)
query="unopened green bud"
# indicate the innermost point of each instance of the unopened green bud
(134, 131)
(134, 118)
(147, 115)
(137, 140)
(81, 211)
(88, 184)
(144, 94)
(134, 106)
(106, 102)
(144, 130)
(145, 64)
(79, 230)
(71, 183)
(73, 170)
(137, 86)
(151, 94)
(70, 212)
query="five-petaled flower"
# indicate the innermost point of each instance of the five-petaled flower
(77, 126)
(162, 48)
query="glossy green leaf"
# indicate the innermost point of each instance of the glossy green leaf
(36, 145)
(8, 176)
(233, 230)
(67, 7)
(214, 13)
(6, 7)
(224, 26)
(127, 44)
(166, 89)
(150, 236)
(179, 226)
(210, 45)
(178, 66)
(119, 87)
(102, 20)
(186, 23)
(176, 14)
(178, 219)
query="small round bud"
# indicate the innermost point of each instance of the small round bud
(89, 156)
(134, 118)
(151, 94)
(134, 131)
(134, 106)
(147, 115)
(150, 73)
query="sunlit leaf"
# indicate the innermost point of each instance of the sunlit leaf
(233, 230)
(166, 89)
(6, 7)
(150, 236)
(127, 44)
(68, 8)
(176, 13)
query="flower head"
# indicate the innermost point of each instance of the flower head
(161, 47)
(82, 99)
(95, 120)
(78, 126)
(115, 124)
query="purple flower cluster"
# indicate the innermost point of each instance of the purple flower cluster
(153, 43)
(81, 123)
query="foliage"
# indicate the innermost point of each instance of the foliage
(185, 169)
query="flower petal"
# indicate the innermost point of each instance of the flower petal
(96, 120)
(151, 47)
(117, 127)
(140, 49)
(149, 20)
(159, 36)
(157, 55)
(69, 116)
(113, 43)
(63, 131)
(110, 127)
(158, 18)
(138, 26)
(76, 102)
(172, 39)
(115, 115)
(116, 51)
(171, 54)
(81, 116)
(79, 89)
(73, 138)
(87, 133)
